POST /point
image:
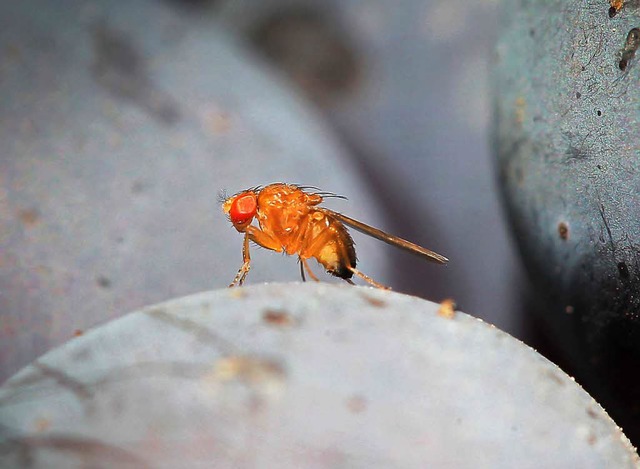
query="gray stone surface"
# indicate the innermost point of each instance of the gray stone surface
(568, 143)
(301, 375)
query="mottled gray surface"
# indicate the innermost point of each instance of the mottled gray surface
(119, 124)
(568, 141)
(301, 375)
(568, 133)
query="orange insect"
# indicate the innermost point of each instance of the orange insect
(291, 221)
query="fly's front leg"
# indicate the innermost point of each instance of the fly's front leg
(259, 237)
(246, 263)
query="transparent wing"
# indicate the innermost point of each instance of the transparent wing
(386, 237)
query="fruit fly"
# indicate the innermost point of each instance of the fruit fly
(291, 220)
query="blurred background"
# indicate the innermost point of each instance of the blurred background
(120, 124)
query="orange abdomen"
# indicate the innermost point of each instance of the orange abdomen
(338, 253)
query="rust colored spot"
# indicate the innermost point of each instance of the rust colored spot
(376, 302)
(357, 404)
(591, 439)
(447, 309)
(29, 217)
(592, 413)
(277, 318)
(42, 424)
(78, 332)
(555, 378)
(563, 231)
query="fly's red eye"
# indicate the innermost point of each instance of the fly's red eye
(243, 209)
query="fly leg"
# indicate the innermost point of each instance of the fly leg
(301, 245)
(259, 237)
(246, 263)
(367, 279)
(363, 276)
(306, 266)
